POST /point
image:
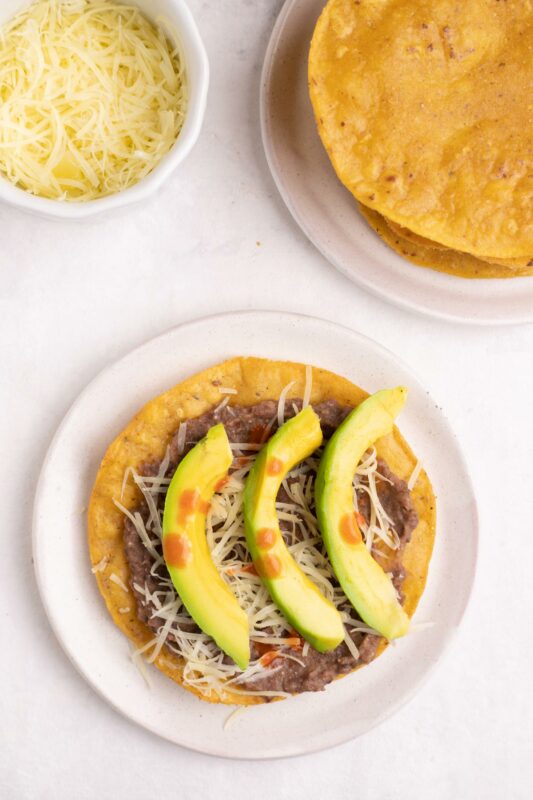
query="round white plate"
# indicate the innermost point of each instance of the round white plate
(327, 212)
(100, 651)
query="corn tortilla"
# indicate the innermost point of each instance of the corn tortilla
(442, 259)
(405, 233)
(146, 438)
(425, 111)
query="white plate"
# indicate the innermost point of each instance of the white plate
(100, 651)
(327, 212)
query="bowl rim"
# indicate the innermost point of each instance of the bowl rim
(194, 48)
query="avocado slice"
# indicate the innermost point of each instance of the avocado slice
(304, 606)
(211, 603)
(363, 581)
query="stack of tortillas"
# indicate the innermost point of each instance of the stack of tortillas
(426, 112)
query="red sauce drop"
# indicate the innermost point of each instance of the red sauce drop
(221, 483)
(269, 657)
(349, 530)
(266, 538)
(257, 433)
(177, 550)
(269, 566)
(189, 503)
(189, 500)
(274, 466)
(294, 642)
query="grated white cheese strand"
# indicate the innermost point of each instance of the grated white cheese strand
(162, 471)
(140, 527)
(115, 578)
(360, 627)
(292, 658)
(411, 483)
(127, 472)
(221, 405)
(281, 402)
(308, 386)
(227, 390)
(163, 633)
(102, 564)
(263, 693)
(350, 644)
(152, 507)
(180, 441)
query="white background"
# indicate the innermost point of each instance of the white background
(73, 297)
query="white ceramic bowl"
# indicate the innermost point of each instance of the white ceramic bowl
(197, 71)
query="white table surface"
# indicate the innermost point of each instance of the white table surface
(75, 296)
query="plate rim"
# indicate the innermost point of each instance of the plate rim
(40, 489)
(269, 152)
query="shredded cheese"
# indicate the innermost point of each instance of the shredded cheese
(350, 644)
(205, 667)
(180, 441)
(92, 97)
(221, 405)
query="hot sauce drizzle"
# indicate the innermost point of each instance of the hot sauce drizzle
(274, 466)
(269, 566)
(177, 550)
(266, 538)
(189, 503)
(221, 483)
(349, 530)
(269, 657)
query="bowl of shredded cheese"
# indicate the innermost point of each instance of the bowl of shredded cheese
(99, 101)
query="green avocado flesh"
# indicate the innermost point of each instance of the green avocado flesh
(363, 581)
(206, 597)
(303, 605)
